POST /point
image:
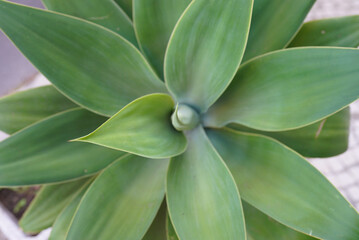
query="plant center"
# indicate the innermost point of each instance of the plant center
(185, 118)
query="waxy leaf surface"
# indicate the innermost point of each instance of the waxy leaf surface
(274, 24)
(284, 185)
(93, 66)
(42, 152)
(126, 5)
(48, 204)
(205, 50)
(122, 202)
(289, 89)
(24, 108)
(106, 13)
(338, 32)
(326, 138)
(154, 22)
(202, 197)
(143, 128)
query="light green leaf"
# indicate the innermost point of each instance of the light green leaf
(93, 66)
(326, 138)
(126, 5)
(157, 231)
(106, 13)
(201, 59)
(154, 22)
(41, 153)
(338, 32)
(27, 107)
(48, 204)
(260, 226)
(289, 89)
(171, 233)
(274, 24)
(283, 185)
(143, 128)
(122, 202)
(202, 197)
(62, 223)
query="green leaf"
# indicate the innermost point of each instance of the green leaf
(157, 231)
(122, 202)
(41, 153)
(143, 128)
(63, 222)
(326, 138)
(274, 24)
(201, 59)
(171, 233)
(154, 22)
(284, 185)
(48, 204)
(338, 32)
(126, 5)
(289, 89)
(260, 226)
(93, 66)
(27, 107)
(202, 197)
(106, 13)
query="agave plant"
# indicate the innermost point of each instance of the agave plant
(175, 119)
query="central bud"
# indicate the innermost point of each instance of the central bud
(184, 118)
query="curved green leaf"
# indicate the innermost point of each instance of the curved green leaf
(157, 231)
(122, 202)
(93, 66)
(326, 138)
(284, 185)
(27, 107)
(274, 24)
(338, 32)
(62, 223)
(106, 13)
(202, 198)
(48, 204)
(289, 89)
(143, 128)
(126, 5)
(171, 233)
(41, 153)
(260, 226)
(201, 59)
(154, 22)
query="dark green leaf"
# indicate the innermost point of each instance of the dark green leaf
(93, 66)
(326, 138)
(202, 198)
(289, 89)
(122, 202)
(126, 5)
(338, 32)
(143, 127)
(27, 107)
(48, 204)
(157, 231)
(106, 13)
(284, 185)
(41, 153)
(154, 22)
(171, 233)
(274, 23)
(201, 59)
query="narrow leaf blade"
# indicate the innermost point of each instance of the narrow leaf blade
(279, 182)
(24, 108)
(42, 154)
(202, 197)
(201, 59)
(122, 202)
(143, 128)
(289, 89)
(93, 66)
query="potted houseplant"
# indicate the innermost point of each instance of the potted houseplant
(177, 119)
